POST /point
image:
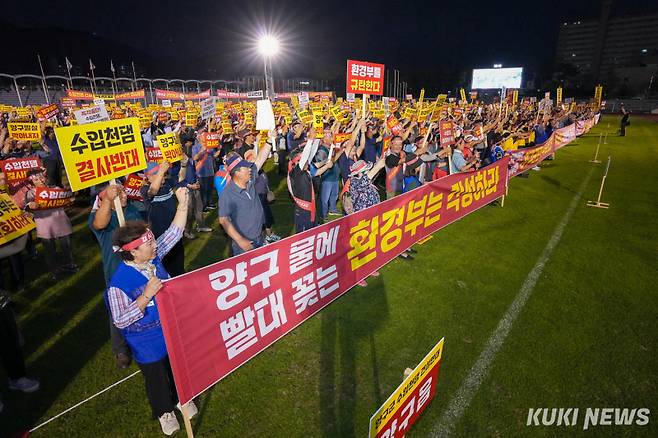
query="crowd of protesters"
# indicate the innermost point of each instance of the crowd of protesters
(353, 164)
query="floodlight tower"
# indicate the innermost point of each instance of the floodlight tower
(268, 46)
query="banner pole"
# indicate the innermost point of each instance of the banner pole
(188, 424)
(596, 154)
(117, 206)
(598, 202)
(363, 107)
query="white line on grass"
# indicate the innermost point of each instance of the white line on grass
(480, 370)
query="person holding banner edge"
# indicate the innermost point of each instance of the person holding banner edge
(131, 299)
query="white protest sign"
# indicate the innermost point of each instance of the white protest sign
(303, 100)
(99, 102)
(349, 97)
(309, 152)
(208, 109)
(166, 103)
(91, 114)
(255, 94)
(264, 116)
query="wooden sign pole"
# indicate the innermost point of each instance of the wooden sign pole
(598, 203)
(596, 154)
(188, 423)
(117, 206)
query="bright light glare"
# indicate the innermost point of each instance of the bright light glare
(268, 46)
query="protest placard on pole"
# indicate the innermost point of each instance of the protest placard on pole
(264, 115)
(170, 147)
(16, 169)
(24, 131)
(98, 152)
(208, 108)
(365, 77)
(405, 405)
(91, 115)
(14, 222)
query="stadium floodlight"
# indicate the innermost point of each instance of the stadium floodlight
(497, 65)
(268, 46)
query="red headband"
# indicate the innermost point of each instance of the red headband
(146, 237)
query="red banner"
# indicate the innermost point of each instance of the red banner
(230, 95)
(79, 95)
(132, 186)
(522, 160)
(137, 94)
(564, 136)
(365, 77)
(16, 169)
(447, 132)
(218, 317)
(48, 111)
(175, 95)
(47, 198)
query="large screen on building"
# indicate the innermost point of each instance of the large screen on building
(497, 78)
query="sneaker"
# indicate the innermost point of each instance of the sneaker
(362, 283)
(169, 423)
(411, 251)
(375, 274)
(24, 385)
(537, 168)
(189, 235)
(212, 207)
(203, 230)
(190, 409)
(405, 256)
(334, 213)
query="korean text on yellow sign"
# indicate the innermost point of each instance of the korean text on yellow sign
(396, 401)
(170, 147)
(24, 131)
(13, 222)
(98, 152)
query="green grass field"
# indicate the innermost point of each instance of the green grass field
(587, 336)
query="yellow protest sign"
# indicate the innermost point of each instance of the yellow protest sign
(170, 147)
(425, 373)
(13, 221)
(191, 118)
(227, 127)
(305, 116)
(462, 94)
(24, 131)
(24, 113)
(409, 113)
(98, 152)
(144, 122)
(420, 99)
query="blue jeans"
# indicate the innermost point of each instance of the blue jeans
(328, 197)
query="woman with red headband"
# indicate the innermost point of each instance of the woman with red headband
(131, 300)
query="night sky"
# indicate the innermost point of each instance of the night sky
(213, 38)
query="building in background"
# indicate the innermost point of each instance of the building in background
(619, 52)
